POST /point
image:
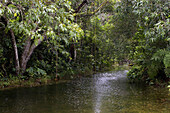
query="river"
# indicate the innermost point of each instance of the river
(107, 92)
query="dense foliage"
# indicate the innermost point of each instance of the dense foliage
(150, 48)
(34, 23)
(52, 38)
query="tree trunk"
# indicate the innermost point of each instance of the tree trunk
(56, 64)
(72, 51)
(17, 64)
(14, 44)
(75, 51)
(24, 54)
(28, 50)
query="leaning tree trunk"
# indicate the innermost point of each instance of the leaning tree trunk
(28, 50)
(14, 44)
(17, 65)
(24, 54)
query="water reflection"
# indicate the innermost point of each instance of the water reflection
(102, 93)
(106, 88)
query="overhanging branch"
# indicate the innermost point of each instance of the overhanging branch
(92, 13)
(81, 5)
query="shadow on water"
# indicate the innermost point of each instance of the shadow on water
(101, 93)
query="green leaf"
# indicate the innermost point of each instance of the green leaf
(167, 60)
(41, 71)
(1, 11)
(146, 18)
(36, 42)
(56, 27)
(30, 70)
(15, 14)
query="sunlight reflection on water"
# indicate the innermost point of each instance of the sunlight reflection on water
(103, 88)
(101, 93)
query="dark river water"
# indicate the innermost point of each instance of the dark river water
(101, 93)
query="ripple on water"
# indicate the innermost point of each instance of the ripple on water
(102, 93)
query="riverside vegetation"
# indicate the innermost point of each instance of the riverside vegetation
(42, 41)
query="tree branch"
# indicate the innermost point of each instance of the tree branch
(92, 13)
(26, 49)
(33, 46)
(29, 53)
(81, 5)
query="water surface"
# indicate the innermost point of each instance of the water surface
(101, 93)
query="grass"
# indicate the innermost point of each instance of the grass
(32, 82)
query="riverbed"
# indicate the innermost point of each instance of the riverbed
(108, 92)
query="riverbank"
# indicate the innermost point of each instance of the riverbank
(15, 82)
(9, 83)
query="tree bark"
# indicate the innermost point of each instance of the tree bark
(27, 53)
(24, 54)
(75, 52)
(28, 50)
(56, 64)
(17, 64)
(14, 44)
